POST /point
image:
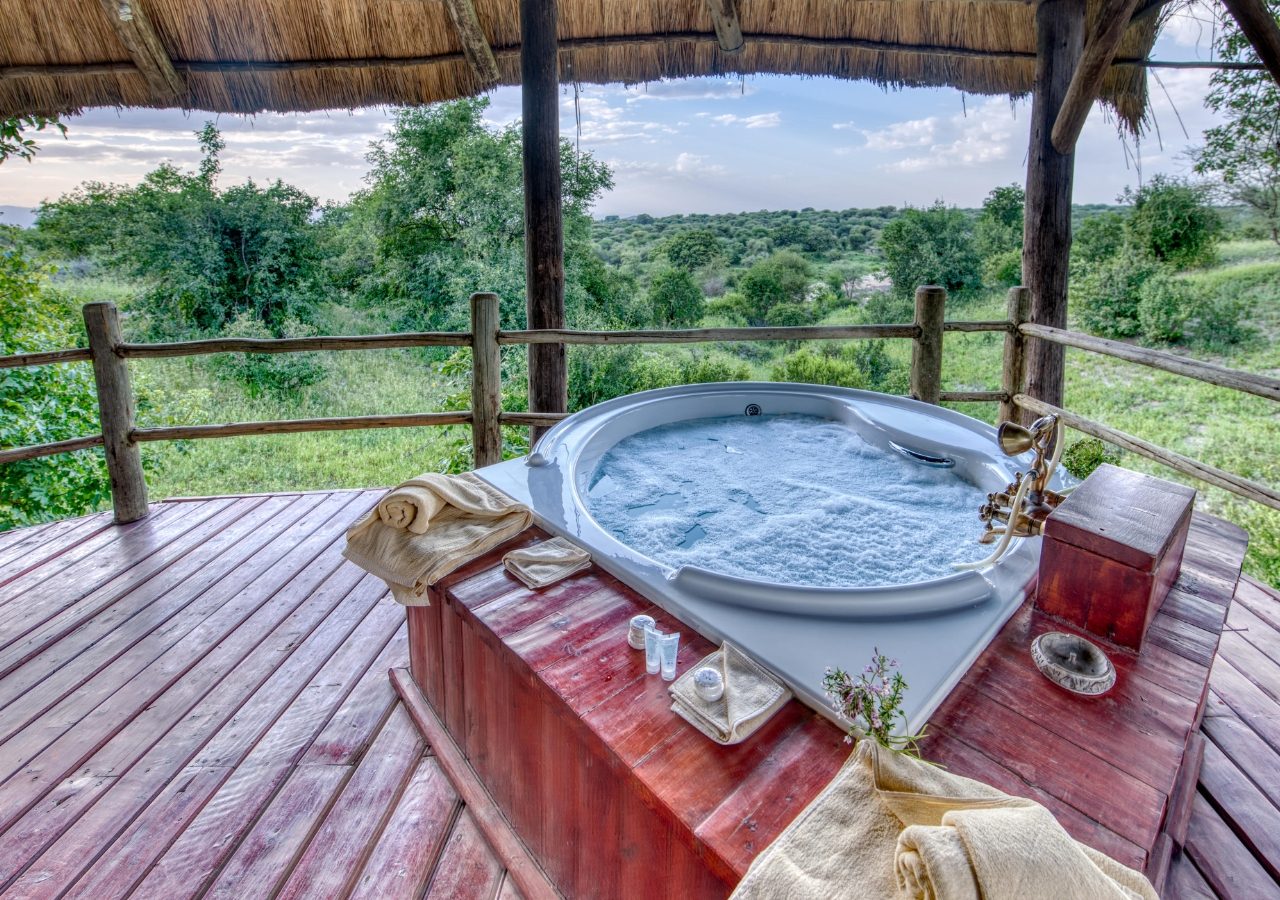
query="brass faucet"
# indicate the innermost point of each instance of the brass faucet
(1038, 501)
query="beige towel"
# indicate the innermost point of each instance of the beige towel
(546, 562)
(888, 825)
(430, 525)
(751, 696)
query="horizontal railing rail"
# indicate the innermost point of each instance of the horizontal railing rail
(1250, 490)
(1260, 385)
(109, 353)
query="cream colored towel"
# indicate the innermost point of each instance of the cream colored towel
(751, 696)
(430, 525)
(546, 562)
(891, 826)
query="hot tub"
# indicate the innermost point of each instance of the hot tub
(820, 612)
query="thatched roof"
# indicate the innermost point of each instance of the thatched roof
(252, 55)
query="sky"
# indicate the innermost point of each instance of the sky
(693, 145)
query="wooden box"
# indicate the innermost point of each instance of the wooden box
(1112, 551)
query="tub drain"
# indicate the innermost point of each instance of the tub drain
(753, 409)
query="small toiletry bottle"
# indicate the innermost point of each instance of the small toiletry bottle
(652, 662)
(668, 647)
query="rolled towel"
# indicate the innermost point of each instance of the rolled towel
(425, 528)
(751, 696)
(1017, 851)
(546, 562)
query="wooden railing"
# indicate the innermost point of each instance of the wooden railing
(120, 435)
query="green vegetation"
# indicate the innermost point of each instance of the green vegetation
(441, 217)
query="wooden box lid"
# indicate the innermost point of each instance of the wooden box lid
(1122, 515)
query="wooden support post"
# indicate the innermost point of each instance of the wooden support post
(486, 380)
(724, 14)
(1046, 244)
(475, 46)
(116, 410)
(1013, 373)
(1262, 30)
(133, 27)
(543, 223)
(1109, 26)
(926, 349)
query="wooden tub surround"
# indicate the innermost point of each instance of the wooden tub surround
(606, 786)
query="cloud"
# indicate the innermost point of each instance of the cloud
(597, 121)
(759, 120)
(689, 89)
(985, 135)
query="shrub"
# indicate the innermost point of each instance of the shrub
(675, 300)
(278, 374)
(1220, 320)
(788, 314)
(931, 246)
(1086, 454)
(1003, 269)
(597, 374)
(783, 278)
(808, 367)
(39, 404)
(1173, 222)
(1098, 239)
(1165, 304)
(1106, 299)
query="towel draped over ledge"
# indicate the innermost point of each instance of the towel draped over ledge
(891, 826)
(425, 528)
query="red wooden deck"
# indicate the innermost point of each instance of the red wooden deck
(198, 703)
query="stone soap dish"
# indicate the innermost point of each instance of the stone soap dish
(1071, 662)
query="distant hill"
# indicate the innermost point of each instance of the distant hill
(17, 215)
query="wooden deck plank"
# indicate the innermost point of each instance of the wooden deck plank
(169, 565)
(1244, 747)
(48, 543)
(337, 852)
(1185, 881)
(42, 592)
(197, 821)
(1249, 702)
(1228, 867)
(467, 870)
(72, 731)
(401, 863)
(89, 664)
(1243, 806)
(256, 689)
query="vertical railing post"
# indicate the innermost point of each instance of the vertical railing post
(926, 349)
(1013, 372)
(116, 412)
(486, 380)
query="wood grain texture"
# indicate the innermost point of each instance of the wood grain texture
(486, 378)
(926, 349)
(116, 411)
(1109, 25)
(233, 794)
(1013, 367)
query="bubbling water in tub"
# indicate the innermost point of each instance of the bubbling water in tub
(791, 499)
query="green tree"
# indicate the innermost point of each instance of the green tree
(999, 225)
(1097, 239)
(1172, 222)
(783, 278)
(675, 299)
(205, 254)
(446, 211)
(931, 246)
(693, 249)
(1244, 151)
(14, 131)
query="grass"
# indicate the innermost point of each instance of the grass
(186, 391)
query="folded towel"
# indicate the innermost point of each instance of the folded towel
(888, 825)
(430, 525)
(751, 696)
(546, 562)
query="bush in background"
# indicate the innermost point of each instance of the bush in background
(1086, 454)
(277, 374)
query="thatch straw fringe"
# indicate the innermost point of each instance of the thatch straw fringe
(253, 55)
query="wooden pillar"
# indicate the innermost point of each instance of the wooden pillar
(1262, 30)
(926, 349)
(116, 412)
(544, 228)
(1046, 244)
(486, 381)
(1013, 372)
